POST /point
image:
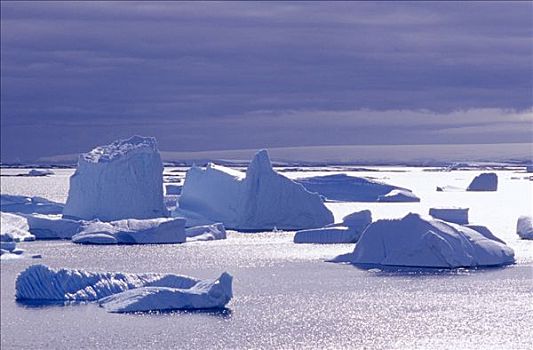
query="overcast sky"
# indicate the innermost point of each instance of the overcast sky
(207, 76)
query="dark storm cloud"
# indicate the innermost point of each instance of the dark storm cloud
(239, 74)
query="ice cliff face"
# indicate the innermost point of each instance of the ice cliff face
(261, 199)
(119, 181)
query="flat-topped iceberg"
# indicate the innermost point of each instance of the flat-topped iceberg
(524, 227)
(28, 205)
(342, 187)
(122, 292)
(484, 182)
(132, 231)
(122, 180)
(455, 215)
(416, 241)
(348, 231)
(261, 199)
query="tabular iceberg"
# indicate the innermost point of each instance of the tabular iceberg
(261, 199)
(28, 205)
(415, 241)
(524, 227)
(348, 231)
(132, 231)
(455, 215)
(341, 187)
(122, 180)
(484, 182)
(117, 291)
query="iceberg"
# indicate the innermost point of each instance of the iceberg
(132, 231)
(416, 241)
(123, 180)
(122, 292)
(205, 233)
(455, 215)
(43, 172)
(524, 227)
(341, 187)
(484, 182)
(261, 199)
(348, 231)
(28, 205)
(399, 196)
(14, 228)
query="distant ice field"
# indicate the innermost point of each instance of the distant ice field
(286, 295)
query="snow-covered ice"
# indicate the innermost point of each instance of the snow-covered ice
(28, 205)
(342, 187)
(524, 227)
(417, 241)
(455, 215)
(205, 232)
(122, 180)
(207, 294)
(132, 231)
(399, 195)
(261, 199)
(116, 292)
(348, 231)
(484, 182)
(15, 227)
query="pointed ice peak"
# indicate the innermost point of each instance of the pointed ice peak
(260, 163)
(120, 148)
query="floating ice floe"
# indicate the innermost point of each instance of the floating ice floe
(123, 292)
(455, 215)
(42, 226)
(399, 196)
(132, 231)
(205, 233)
(416, 241)
(28, 205)
(348, 231)
(484, 182)
(119, 181)
(341, 187)
(41, 172)
(14, 228)
(261, 199)
(524, 227)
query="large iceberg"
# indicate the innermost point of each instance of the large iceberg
(132, 231)
(455, 215)
(416, 241)
(341, 187)
(122, 180)
(484, 182)
(122, 292)
(524, 227)
(261, 199)
(28, 205)
(348, 231)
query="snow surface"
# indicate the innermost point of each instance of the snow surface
(524, 227)
(132, 231)
(206, 232)
(455, 215)
(208, 294)
(342, 187)
(399, 196)
(116, 291)
(261, 199)
(418, 241)
(28, 205)
(122, 180)
(348, 231)
(484, 182)
(14, 228)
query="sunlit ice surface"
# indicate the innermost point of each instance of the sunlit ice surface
(287, 295)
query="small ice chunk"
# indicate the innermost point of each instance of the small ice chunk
(524, 227)
(399, 196)
(41, 172)
(14, 228)
(326, 235)
(455, 215)
(205, 232)
(484, 182)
